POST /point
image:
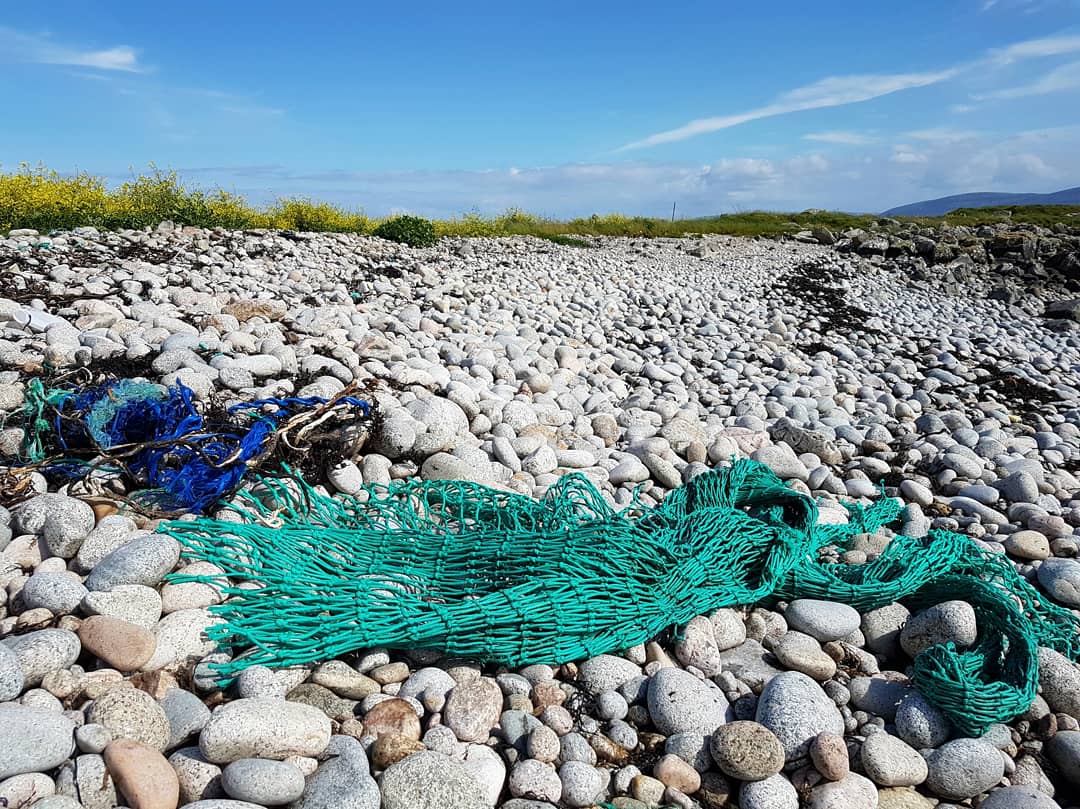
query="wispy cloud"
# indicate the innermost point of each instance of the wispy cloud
(840, 137)
(184, 113)
(837, 91)
(18, 46)
(1036, 48)
(252, 110)
(1060, 79)
(942, 134)
(1024, 6)
(834, 91)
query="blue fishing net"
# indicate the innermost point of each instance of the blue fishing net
(159, 438)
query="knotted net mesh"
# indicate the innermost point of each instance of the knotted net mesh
(497, 576)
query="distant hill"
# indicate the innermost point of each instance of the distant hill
(984, 199)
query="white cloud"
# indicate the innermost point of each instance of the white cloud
(960, 109)
(1060, 79)
(833, 91)
(744, 169)
(17, 46)
(1036, 161)
(1035, 48)
(808, 164)
(904, 155)
(878, 177)
(1025, 167)
(118, 58)
(840, 137)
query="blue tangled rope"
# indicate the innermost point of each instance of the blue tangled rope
(165, 442)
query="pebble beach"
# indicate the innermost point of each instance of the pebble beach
(937, 366)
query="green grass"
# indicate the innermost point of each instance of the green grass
(1044, 215)
(35, 197)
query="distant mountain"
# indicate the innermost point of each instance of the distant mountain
(985, 199)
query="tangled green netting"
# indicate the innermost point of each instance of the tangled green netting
(501, 577)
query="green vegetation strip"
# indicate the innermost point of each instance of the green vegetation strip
(45, 200)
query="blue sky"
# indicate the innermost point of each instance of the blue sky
(559, 108)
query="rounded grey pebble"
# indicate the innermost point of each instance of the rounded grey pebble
(535, 780)
(611, 705)
(693, 748)
(822, 620)
(11, 674)
(1061, 579)
(45, 740)
(963, 768)
(144, 560)
(186, 713)
(269, 783)
(343, 780)
(59, 593)
(264, 728)
(623, 734)
(94, 787)
(920, 723)
(40, 698)
(1063, 749)
(544, 744)
(581, 783)
(428, 780)
(890, 762)
(260, 681)
(679, 702)
(1019, 797)
(62, 521)
(109, 534)
(877, 696)
(199, 779)
(574, 747)
(747, 751)
(606, 673)
(948, 622)
(882, 627)
(441, 739)
(425, 682)
(129, 713)
(44, 650)
(775, 792)
(796, 710)
(853, 791)
(92, 738)
(133, 603)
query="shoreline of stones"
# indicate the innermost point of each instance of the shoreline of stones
(943, 363)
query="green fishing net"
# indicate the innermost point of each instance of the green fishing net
(500, 577)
